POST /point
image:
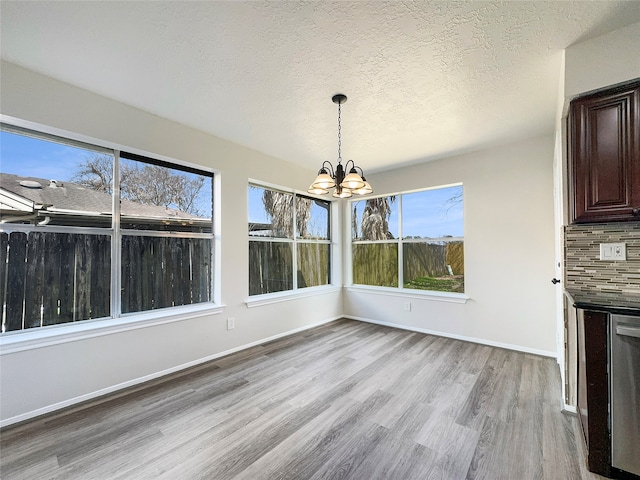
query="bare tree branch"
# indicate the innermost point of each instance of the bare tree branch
(142, 183)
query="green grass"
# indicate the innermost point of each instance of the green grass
(455, 284)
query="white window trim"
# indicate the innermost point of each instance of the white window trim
(434, 295)
(20, 340)
(279, 297)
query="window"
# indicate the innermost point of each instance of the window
(166, 222)
(67, 243)
(410, 240)
(289, 241)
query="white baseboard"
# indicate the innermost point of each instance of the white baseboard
(137, 381)
(482, 341)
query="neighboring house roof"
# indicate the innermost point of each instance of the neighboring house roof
(23, 196)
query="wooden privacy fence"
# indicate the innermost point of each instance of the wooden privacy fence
(271, 266)
(159, 272)
(455, 257)
(377, 263)
(313, 264)
(433, 260)
(51, 278)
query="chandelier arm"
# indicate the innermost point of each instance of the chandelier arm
(346, 165)
(331, 170)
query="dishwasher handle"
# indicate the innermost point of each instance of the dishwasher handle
(628, 331)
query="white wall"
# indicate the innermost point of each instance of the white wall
(603, 61)
(509, 249)
(37, 380)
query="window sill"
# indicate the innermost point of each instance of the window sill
(268, 298)
(18, 341)
(406, 292)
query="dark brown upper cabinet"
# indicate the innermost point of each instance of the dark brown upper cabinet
(604, 142)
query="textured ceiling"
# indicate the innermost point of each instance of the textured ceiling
(424, 79)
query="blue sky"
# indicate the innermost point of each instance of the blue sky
(257, 213)
(432, 213)
(33, 157)
(426, 214)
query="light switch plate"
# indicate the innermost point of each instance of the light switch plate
(613, 251)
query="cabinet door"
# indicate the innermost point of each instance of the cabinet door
(605, 155)
(593, 389)
(583, 412)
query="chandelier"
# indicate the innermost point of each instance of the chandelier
(345, 185)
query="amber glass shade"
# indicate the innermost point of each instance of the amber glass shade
(363, 190)
(323, 181)
(352, 181)
(317, 191)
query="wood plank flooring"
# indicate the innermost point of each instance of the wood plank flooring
(347, 400)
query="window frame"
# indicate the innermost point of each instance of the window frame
(295, 240)
(400, 290)
(120, 232)
(37, 337)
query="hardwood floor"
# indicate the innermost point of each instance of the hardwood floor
(347, 400)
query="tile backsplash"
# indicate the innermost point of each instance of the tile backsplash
(584, 269)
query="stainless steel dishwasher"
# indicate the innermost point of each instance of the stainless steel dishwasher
(625, 393)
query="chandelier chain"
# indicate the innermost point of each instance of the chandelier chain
(339, 135)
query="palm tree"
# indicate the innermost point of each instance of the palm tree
(279, 206)
(375, 218)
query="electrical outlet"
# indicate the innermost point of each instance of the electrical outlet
(613, 251)
(231, 323)
(407, 306)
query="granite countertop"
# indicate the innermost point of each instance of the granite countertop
(617, 303)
